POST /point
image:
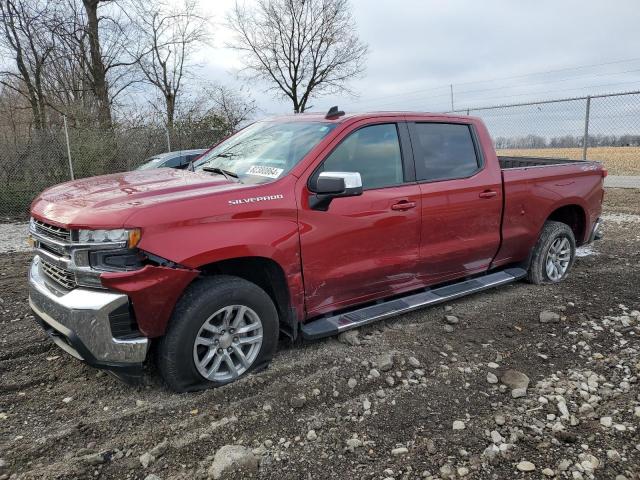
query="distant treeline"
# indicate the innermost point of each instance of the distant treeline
(567, 141)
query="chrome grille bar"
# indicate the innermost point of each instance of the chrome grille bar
(49, 230)
(59, 275)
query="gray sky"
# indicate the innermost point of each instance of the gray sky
(418, 47)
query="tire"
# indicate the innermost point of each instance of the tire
(554, 236)
(201, 314)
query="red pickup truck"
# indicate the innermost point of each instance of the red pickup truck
(308, 225)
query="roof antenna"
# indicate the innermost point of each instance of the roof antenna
(333, 113)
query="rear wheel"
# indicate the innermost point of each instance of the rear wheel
(553, 255)
(222, 328)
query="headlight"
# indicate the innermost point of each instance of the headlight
(132, 237)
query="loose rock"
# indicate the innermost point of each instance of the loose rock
(515, 379)
(298, 401)
(385, 362)
(547, 316)
(525, 466)
(399, 451)
(451, 319)
(350, 337)
(459, 425)
(233, 458)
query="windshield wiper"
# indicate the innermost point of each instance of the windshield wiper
(229, 175)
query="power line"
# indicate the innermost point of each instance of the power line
(579, 67)
(459, 93)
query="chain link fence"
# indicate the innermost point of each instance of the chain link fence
(597, 127)
(32, 162)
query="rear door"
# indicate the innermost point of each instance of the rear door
(363, 247)
(461, 201)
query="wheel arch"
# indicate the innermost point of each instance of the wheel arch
(573, 215)
(266, 273)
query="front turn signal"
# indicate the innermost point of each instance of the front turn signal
(134, 237)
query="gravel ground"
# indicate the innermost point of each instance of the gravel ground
(13, 237)
(519, 382)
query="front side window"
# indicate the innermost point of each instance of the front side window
(372, 151)
(264, 151)
(445, 151)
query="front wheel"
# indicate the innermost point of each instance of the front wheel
(553, 255)
(222, 328)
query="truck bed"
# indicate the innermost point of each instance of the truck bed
(522, 162)
(533, 186)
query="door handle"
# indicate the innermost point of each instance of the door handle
(403, 205)
(488, 194)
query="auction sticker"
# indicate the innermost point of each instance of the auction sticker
(264, 171)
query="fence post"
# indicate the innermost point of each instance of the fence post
(66, 134)
(585, 139)
(166, 129)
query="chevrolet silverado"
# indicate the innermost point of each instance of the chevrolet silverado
(306, 225)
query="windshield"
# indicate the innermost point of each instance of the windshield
(151, 163)
(264, 151)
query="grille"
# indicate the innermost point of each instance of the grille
(52, 231)
(59, 275)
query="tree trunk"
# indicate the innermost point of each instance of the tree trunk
(170, 101)
(98, 72)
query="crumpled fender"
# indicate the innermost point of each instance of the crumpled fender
(153, 292)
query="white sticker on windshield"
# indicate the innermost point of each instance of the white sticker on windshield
(264, 171)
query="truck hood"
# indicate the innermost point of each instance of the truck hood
(107, 201)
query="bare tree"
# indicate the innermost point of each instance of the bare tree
(86, 79)
(26, 38)
(235, 107)
(170, 36)
(303, 48)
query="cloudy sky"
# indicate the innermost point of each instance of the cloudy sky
(492, 51)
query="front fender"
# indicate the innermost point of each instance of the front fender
(153, 292)
(270, 234)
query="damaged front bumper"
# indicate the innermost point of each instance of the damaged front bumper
(80, 322)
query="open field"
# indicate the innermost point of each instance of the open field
(414, 397)
(617, 160)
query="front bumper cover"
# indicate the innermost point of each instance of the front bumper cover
(78, 322)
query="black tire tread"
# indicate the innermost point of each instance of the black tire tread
(550, 231)
(203, 291)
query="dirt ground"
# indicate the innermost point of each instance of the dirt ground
(383, 408)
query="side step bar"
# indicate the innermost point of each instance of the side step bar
(328, 326)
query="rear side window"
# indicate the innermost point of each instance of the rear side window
(445, 151)
(372, 151)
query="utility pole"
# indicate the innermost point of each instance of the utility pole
(451, 87)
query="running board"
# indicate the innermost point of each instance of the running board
(328, 326)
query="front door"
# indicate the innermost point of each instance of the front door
(364, 247)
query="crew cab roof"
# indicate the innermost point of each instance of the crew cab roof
(321, 117)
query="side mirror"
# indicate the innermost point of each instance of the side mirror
(330, 185)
